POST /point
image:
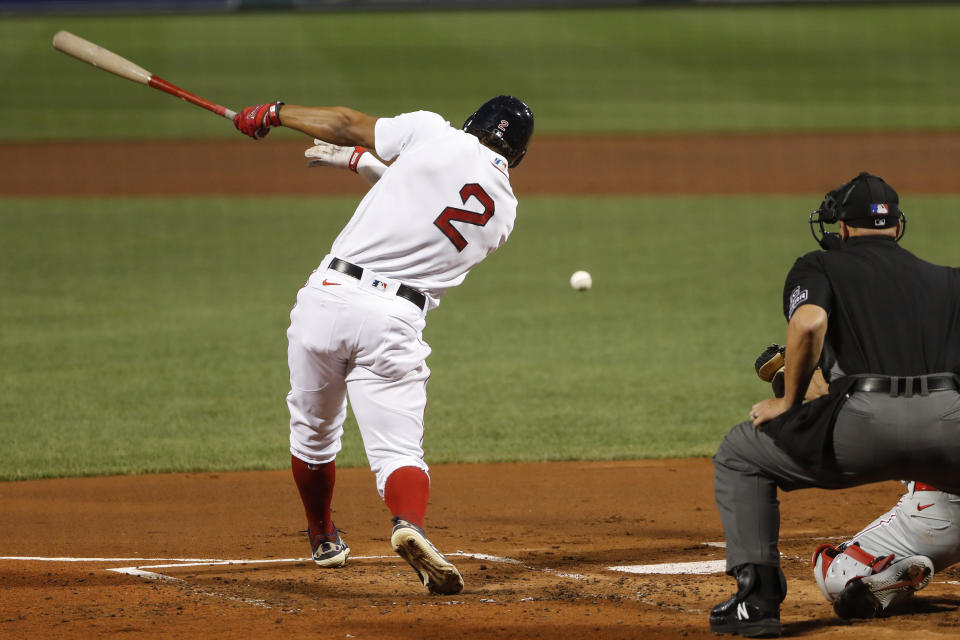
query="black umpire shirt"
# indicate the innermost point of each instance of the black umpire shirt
(890, 313)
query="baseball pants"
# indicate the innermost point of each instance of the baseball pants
(357, 339)
(923, 522)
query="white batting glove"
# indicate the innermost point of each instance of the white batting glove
(324, 154)
(356, 159)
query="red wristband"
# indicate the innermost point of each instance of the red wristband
(355, 158)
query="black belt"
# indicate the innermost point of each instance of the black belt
(906, 386)
(352, 270)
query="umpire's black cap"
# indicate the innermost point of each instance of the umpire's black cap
(866, 201)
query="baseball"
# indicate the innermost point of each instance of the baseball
(581, 280)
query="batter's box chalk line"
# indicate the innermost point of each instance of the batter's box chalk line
(701, 568)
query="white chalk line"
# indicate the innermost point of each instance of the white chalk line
(142, 570)
(502, 560)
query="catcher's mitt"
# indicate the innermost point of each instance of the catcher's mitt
(769, 366)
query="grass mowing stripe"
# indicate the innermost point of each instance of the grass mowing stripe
(612, 70)
(142, 335)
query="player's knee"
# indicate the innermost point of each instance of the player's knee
(383, 468)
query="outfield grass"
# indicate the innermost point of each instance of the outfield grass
(613, 70)
(148, 335)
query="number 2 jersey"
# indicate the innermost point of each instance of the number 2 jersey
(443, 206)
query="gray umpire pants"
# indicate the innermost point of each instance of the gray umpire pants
(876, 437)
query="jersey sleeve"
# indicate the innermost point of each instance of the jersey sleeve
(393, 135)
(806, 283)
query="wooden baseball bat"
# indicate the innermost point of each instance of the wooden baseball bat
(109, 61)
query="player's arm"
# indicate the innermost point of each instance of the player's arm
(818, 386)
(805, 334)
(337, 125)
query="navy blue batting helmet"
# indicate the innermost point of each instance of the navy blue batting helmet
(504, 123)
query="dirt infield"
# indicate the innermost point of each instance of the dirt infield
(670, 164)
(221, 555)
(535, 542)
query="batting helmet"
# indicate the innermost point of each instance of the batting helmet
(504, 123)
(865, 201)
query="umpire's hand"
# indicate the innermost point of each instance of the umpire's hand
(767, 410)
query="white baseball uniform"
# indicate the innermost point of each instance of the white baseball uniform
(924, 522)
(437, 211)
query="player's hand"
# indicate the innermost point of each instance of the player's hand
(257, 120)
(767, 410)
(324, 154)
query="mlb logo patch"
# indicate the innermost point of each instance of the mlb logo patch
(379, 284)
(879, 209)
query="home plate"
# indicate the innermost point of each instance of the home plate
(675, 568)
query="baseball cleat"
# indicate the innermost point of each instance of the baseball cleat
(870, 596)
(754, 611)
(329, 554)
(436, 573)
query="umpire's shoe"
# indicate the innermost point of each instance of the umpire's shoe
(871, 596)
(329, 553)
(437, 573)
(754, 611)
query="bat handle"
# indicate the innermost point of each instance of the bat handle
(159, 83)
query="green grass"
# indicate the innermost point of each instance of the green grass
(613, 70)
(141, 335)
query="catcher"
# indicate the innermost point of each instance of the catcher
(894, 556)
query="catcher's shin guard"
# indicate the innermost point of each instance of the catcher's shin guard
(836, 567)
(873, 595)
(754, 611)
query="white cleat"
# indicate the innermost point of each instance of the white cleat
(437, 573)
(330, 554)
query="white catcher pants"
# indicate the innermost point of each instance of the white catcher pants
(925, 523)
(355, 338)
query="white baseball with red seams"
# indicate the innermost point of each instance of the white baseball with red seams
(443, 206)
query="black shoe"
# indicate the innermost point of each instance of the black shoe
(754, 611)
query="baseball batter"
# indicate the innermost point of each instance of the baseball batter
(444, 204)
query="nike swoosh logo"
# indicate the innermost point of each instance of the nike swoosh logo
(327, 283)
(921, 507)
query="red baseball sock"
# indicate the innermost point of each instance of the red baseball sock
(315, 483)
(406, 494)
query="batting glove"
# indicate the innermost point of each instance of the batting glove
(257, 120)
(324, 154)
